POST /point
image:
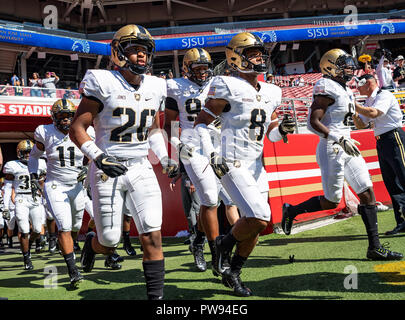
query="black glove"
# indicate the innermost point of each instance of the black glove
(35, 186)
(110, 165)
(170, 167)
(287, 125)
(82, 174)
(6, 214)
(219, 165)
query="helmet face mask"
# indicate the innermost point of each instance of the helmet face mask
(198, 66)
(124, 40)
(338, 64)
(238, 53)
(255, 67)
(24, 148)
(63, 109)
(347, 65)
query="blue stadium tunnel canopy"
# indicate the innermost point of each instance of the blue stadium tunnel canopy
(179, 42)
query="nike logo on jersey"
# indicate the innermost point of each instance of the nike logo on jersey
(147, 99)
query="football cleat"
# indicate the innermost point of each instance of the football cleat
(198, 253)
(287, 220)
(27, 263)
(231, 279)
(88, 255)
(382, 253)
(111, 262)
(52, 245)
(75, 278)
(129, 249)
(221, 262)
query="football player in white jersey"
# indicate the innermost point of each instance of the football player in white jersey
(337, 154)
(124, 105)
(247, 112)
(28, 207)
(9, 216)
(64, 196)
(185, 99)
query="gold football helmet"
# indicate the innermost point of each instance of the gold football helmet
(24, 148)
(335, 62)
(194, 58)
(131, 35)
(235, 53)
(62, 106)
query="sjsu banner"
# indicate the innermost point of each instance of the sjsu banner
(172, 42)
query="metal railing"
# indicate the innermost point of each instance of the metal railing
(38, 92)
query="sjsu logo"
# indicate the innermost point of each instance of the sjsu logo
(387, 28)
(81, 46)
(269, 36)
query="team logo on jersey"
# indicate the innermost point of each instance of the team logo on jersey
(258, 97)
(137, 96)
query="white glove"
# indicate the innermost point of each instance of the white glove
(348, 144)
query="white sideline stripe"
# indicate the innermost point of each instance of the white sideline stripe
(297, 174)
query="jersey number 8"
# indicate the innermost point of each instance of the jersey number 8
(256, 128)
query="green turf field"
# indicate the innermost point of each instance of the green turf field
(325, 259)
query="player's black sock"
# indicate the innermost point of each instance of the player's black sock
(228, 241)
(211, 244)
(369, 215)
(237, 262)
(199, 238)
(70, 261)
(154, 271)
(125, 235)
(311, 205)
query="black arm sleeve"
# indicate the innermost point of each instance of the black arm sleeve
(171, 104)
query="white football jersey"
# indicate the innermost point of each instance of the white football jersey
(127, 113)
(22, 181)
(64, 158)
(245, 124)
(190, 98)
(338, 112)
